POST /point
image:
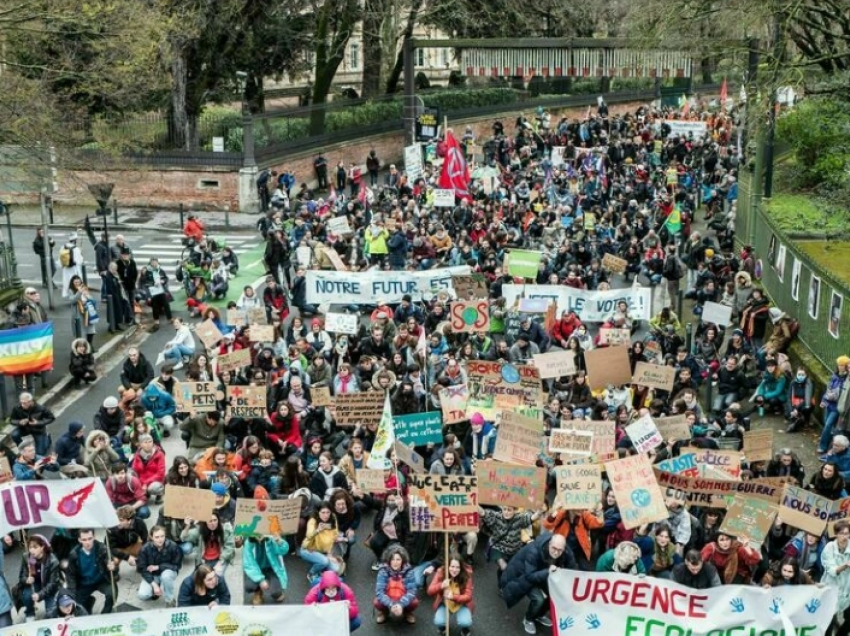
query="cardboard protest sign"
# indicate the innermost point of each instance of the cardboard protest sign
(608, 366)
(321, 395)
(470, 286)
(524, 263)
(209, 333)
(713, 492)
(234, 361)
(804, 509)
(614, 337)
(350, 409)
(453, 401)
(261, 333)
(469, 316)
(556, 364)
(570, 441)
(247, 402)
(655, 376)
(341, 323)
(758, 445)
(371, 480)
(614, 263)
(419, 428)
(410, 457)
(685, 465)
(5, 470)
(443, 503)
(717, 314)
(498, 385)
(501, 484)
(749, 519)
(840, 510)
(260, 517)
(519, 439)
(236, 318)
(674, 427)
(603, 446)
(338, 225)
(444, 198)
(578, 487)
(188, 503)
(257, 316)
(196, 397)
(334, 258)
(644, 434)
(725, 461)
(638, 494)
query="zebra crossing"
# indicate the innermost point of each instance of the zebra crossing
(168, 248)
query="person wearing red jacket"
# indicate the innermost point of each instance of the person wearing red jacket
(451, 588)
(149, 466)
(194, 229)
(331, 589)
(564, 328)
(285, 434)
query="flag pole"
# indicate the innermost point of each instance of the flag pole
(445, 577)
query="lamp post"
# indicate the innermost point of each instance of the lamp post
(247, 121)
(8, 262)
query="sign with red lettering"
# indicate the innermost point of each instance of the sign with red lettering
(443, 503)
(594, 603)
(453, 400)
(638, 495)
(503, 484)
(469, 316)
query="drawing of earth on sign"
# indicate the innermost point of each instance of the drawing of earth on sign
(470, 316)
(641, 498)
(510, 374)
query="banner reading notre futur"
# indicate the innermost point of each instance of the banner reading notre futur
(608, 604)
(351, 288)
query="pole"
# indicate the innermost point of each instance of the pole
(408, 51)
(4, 401)
(9, 226)
(115, 211)
(181, 216)
(111, 572)
(47, 265)
(446, 574)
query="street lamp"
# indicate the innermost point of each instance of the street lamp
(247, 121)
(9, 281)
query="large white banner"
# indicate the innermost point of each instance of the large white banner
(327, 619)
(608, 604)
(590, 306)
(352, 288)
(683, 128)
(72, 503)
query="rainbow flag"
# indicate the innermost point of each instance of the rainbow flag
(26, 349)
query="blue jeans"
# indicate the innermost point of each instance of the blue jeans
(42, 441)
(177, 352)
(26, 596)
(187, 547)
(826, 436)
(320, 562)
(537, 604)
(463, 617)
(419, 572)
(166, 581)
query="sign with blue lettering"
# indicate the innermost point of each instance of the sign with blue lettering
(352, 288)
(590, 306)
(419, 428)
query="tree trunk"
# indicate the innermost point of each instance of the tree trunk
(373, 17)
(395, 74)
(178, 99)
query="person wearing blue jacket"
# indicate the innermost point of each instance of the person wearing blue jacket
(262, 559)
(395, 588)
(5, 592)
(69, 447)
(160, 403)
(771, 391)
(836, 391)
(480, 442)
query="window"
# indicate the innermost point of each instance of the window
(444, 57)
(354, 56)
(420, 57)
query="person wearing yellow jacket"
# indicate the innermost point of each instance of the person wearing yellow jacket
(318, 545)
(376, 241)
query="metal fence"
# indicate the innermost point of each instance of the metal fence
(797, 284)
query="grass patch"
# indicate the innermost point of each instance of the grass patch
(801, 213)
(831, 255)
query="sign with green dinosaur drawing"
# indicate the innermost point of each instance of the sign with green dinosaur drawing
(259, 517)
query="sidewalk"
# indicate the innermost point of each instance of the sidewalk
(73, 217)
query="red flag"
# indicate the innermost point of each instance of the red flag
(724, 95)
(455, 174)
(686, 108)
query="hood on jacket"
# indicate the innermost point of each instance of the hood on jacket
(329, 579)
(75, 427)
(92, 437)
(80, 341)
(747, 279)
(626, 554)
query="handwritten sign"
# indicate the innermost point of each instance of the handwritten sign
(840, 510)
(419, 428)
(578, 487)
(501, 484)
(188, 503)
(334, 258)
(339, 225)
(470, 286)
(570, 441)
(608, 366)
(604, 444)
(453, 402)
(341, 323)
(638, 494)
(713, 492)
(685, 465)
(321, 395)
(261, 333)
(493, 384)
(614, 263)
(749, 519)
(674, 427)
(196, 397)
(257, 316)
(247, 402)
(350, 409)
(260, 517)
(655, 376)
(555, 364)
(804, 509)
(469, 316)
(444, 198)
(234, 360)
(725, 461)
(519, 439)
(717, 314)
(443, 503)
(615, 337)
(371, 480)
(236, 318)
(410, 457)
(644, 434)
(209, 333)
(758, 445)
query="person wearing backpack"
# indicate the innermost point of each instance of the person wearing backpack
(71, 261)
(673, 271)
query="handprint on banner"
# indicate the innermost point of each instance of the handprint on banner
(776, 606)
(737, 605)
(813, 606)
(592, 621)
(565, 623)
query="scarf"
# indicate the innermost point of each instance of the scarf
(452, 605)
(730, 569)
(662, 558)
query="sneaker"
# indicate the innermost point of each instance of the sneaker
(380, 617)
(530, 627)
(545, 621)
(178, 366)
(465, 631)
(258, 597)
(376, 566)
(410, 618)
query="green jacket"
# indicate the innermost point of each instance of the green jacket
(228, 549)
(257, 559)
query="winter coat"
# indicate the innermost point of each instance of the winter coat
(263, 556)
(170, 557)
(408, 578)
(344, 593)
(435, 589)
(203, 435)
(140, 373)
(287, 431)
(81, 364)
(506, 534)
(158, 401)
(99, 460)
(559, 523)
(322, 483)
(151, 470)
(376, 241)
(110, 423)
(5, 592)
(228, 547)
(51, 576)
(68, 449)
(772, 387)
(398, 247)
(41, 414)
(831, 558)
(529, 569)
(706, 578)
(189, 597)
(101, 559)
(125, 494)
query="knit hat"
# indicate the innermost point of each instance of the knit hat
(842, 361)
(111, 402)
(75, 427)
(477, 419)
(219, 489)
(776, 314)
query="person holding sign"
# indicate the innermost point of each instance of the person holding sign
(506, 529)
(577, 525)
(330, 589)
(318, 545)
(451, 588)
(204, 588)
(735, 562)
